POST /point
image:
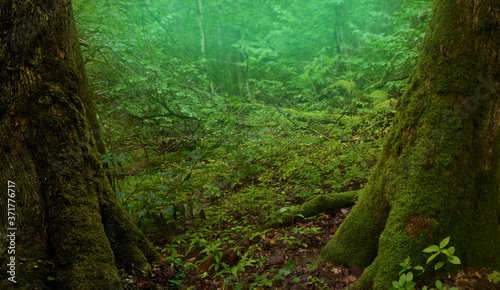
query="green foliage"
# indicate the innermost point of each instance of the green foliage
(494, 277)
(151, 55)
(292, 241)
(436, 250)
(405, 282)
(285, 271)
(317, 282)
(215, 116)
(263, 280)
(406, 265)
(406, 276)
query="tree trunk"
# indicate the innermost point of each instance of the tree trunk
(202, 30)
(439, 171)
(66, 223)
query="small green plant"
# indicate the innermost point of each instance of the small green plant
(261, 281)
(406, 265)
(307, 230)
(494, 277)
(317, 282)
(406, 278)
(173, 256)
(293, 241)
(405, 282)
(285, 271)
(436, 250)
(439, 286)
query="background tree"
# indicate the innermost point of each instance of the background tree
(69, 224)
(146, 68)
(438, 175)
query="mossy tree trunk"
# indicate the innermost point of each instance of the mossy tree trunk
(67, 222)
(439, 171)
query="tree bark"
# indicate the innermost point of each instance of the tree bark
(202, 30)
(67, 223)
(439, 171)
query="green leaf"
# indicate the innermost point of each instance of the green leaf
(432, 257)
(409, 276)
(283, 209)
(163, 188)
(439, 284)
(288, 268)
(454, 260)
(444, 242)
(419, 268)
(176, 282)
(217, 257)
(402, 279)
(296, 280)
(166, 173)
(410, 285)
(395, 284)
(50, 278)
(431, 249)
(169, 210)
(447, 253)
(438, 265)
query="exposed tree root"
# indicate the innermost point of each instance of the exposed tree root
(313, 206)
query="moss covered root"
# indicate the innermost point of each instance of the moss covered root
(314, 205)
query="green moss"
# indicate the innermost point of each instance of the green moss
(355, 243)
(325, 203)
(429, 184)
(350, 87)
(385, 106)
(313, 206)
(378, 95)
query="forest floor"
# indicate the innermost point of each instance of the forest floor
(204, 208)
(280, 247)
(301, 252)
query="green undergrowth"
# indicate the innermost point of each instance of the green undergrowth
(250, 173)
(211, 197)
